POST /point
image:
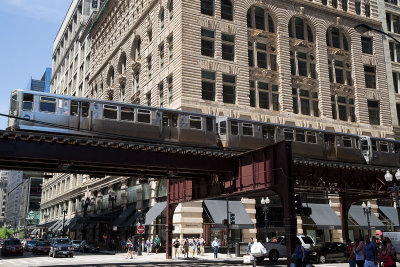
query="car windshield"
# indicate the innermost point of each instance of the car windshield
(61, 241)
(307, 240)
(13, 242)
(274, 240)
(31, 242)
(43, 244)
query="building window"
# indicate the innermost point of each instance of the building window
(228, 47)
(344, 5)
(162, 18)
(373, 112)
(226, 10)
(259, 18)
(161, 92)
(394, 51)
(340, 72)
(398, 113)
(305, 102)
(366, 45)
(336, 38)
(343, 108)
(171, 9)
(149, 68)
(396, 79)
(251, 54)
(208, 85)
(370, 77)
(300, 29)
(229, 88)
(150, 35)
(148, 98)
(334, 4)
(207, 42)
(324, 2)
(358, 7)
(252, 94)
(266, 56)
(170, 93)
(268, 96)
(161, 50)
(170, 48)
(303, 64)
(207, 7)
(367, 10)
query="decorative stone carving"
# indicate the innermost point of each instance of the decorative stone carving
(110, 93)
(338, 53)
(136, 98)
(255, 34)
(300, 81)
(269, 75)
(136, 64)
(301, 45)
(373, 95)
(122, 80)
(342, 89)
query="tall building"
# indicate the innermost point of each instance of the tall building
(294, 62)
(42, 85)
(3, 196)
(13, 200)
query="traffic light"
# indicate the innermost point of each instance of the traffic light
(307, 211)
(232, 217)
(224, 222)
(298, 205)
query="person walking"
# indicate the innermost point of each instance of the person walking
(249, 245)
(300, 255)
(371, 253)
(176, 244)
(202, 246)
(186, 248)
(385, 256)
(193, 246)
(129, 247)
(148, 245)
(351, 251)
(157, 244)
(360, 252)
(215, 245)
(198, 246)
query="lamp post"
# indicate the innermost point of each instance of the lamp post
(367, 212)
(394, 188)
(45, 216)
(85, 204)
(64, 211)
(265, 202)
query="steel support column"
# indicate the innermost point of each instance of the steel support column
(344, 212)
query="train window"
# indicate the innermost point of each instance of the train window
(271, 133)
(144, 115)
(209, 124)
(174, 120)
(311, 137)
(222, 127)
(346, 141)
(85, 109)
(247, 129)
(110, 112)
(288, 134)
(384, 146)
(264, 130)
(165, 119)
(364, 144)
(74, 108)
(300, 137)
(48, 104)
(374, 146)
(127, 114)
(329, 139)
(27, 102)
(195, 122)
(234, 128)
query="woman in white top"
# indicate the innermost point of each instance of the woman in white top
(360, 252)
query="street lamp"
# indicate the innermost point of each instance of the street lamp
(64, 211)
(265, 202)
(367, 212)
(85, 204)
(394, 189)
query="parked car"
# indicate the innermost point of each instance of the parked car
(75, 244)
(277, 249)
(328, 251)
(61, 246)
(29, 244)
(88, 246)
(41, 247)
(23, 242)
(12, 247)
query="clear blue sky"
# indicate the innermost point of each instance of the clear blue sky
(27, 29)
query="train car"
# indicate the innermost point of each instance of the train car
(379, 151)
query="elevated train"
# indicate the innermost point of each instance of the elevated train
(37, 111)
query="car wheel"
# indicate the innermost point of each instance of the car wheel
(273, 256)
(259, 259)
(322, 259)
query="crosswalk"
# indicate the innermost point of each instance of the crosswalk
(40, 261)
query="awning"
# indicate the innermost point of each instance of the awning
(35, 231)
(133, 217)
(324, 216)
(391, 213)
(54, 226)
(77, 226)
(357, 213)
(71, 222)
(217, 210)
(122, 217)
(105, 217)
(46, 224)
(90, 225)
(153, 213)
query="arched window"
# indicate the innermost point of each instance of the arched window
(162, 22)
(259, 18)
(336, 38)
(171, 9)
(226, 10)
(122, 64)
(135, 51)
(110, 77)
(299, 28)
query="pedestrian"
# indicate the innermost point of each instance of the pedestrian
(300, 255)
(385, 256)
(143, 244)
(129, 247)
(351, 251)
(157, 244)
(202, 246)
(371, 253)
(215, 245)
(113, 245)
(249, 245)
(193, 246)
(148, 245)
(186, 248)
(176, 244)
(360, 252)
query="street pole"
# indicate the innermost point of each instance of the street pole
(63, 223)
(228, 253)
(367, 211)
(394, 189)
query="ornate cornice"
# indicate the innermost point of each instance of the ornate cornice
(342, 89)
(301, 82)
(302, 45)
(264, 74)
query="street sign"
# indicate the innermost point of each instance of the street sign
(140, 229)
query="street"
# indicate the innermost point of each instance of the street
(119, 260)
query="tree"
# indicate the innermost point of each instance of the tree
(6, 232)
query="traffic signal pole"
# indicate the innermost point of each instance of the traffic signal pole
(228, 253)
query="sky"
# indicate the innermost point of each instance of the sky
(27, 29)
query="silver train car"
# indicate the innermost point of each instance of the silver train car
(83, 116)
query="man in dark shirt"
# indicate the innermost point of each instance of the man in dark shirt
(371, 252)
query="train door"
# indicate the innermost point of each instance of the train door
(170, 126)
(79, 115)
(330, 150)
(366, 148)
